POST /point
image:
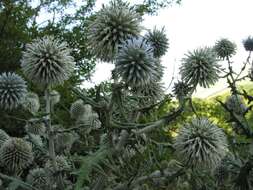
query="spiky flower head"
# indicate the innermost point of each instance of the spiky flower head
(77, 109)
(181, 89)
(248, 43)
(113, 24)
(235, 103)
(12, 90)
(36, 126)
(3, 137)
(200, 67)
(47, 61)
(225, 48)
(200, 143)
(38, 178)
(158, 40)
(135, 63)
(31, 102)
(54, 97)
(16, 154)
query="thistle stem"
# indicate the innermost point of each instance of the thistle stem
(51, 135)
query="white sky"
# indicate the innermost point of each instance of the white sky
(193, 24)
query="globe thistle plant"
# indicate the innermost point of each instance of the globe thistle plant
(47, 61)
(31, 102)
(200, 67)
(201, 143)
(158, 40)
(38, 178)
(3, 137)
(36, 127)
(16, 154)
(77, 109)
(12, 90)
(225, 48)
(113, 24)
(135, 63)
(235, 103)
(248, 44)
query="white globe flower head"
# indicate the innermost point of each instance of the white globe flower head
(136, 65)
(158, 40)
(113, 24)
(47, 61)
(200, 67)
(201, 143)
(12, 90)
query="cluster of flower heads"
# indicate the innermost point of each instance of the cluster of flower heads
(47, 61)
(12, 90)
(201, 143)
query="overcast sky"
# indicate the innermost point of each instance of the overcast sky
(194, 24)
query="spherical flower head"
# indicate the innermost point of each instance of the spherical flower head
(12, 90)
(201, 143)
(77, 109)
(225, 48)
(181, 89)
(38, 178)
(113, 24)
(3, 137)
(47, 61)
(200, 67)
(135, 63)
(36, 126)
(159, 41)
(16, 154)
(248, 43)
(31, 102)
(235, 103)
